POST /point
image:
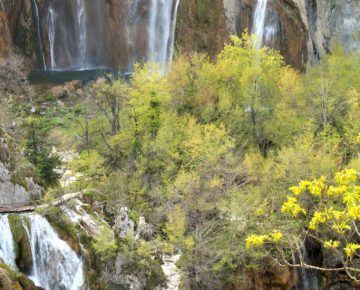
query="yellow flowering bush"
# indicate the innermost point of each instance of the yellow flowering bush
(334, 210)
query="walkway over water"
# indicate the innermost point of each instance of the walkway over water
(38, 204)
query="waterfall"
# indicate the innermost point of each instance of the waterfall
(69, 26)
(38, 34)
(7, 251)
(55, 265)
(258, 27)
(82, 30)
(51, 33)
(87, 35)
(162, 22)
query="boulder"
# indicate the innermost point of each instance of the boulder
(5, 281)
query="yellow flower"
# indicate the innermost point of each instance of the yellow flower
(276, 236)
(318, 218)
(346, 177)
(341, 228)
(351, 248)
(295, 190)
(291, 206)
(331, 244)
(255, 240)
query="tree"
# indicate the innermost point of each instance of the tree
(39, 152)
(110, 97)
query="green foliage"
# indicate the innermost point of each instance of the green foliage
(105, 244)
(208, 152)
(38, 150)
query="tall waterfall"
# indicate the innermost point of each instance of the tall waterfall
(40, 50)
(7, 251)
(69, 24)
(259, 21)
(55, 265)
(162, 22)
(82, 34)
(82, 27)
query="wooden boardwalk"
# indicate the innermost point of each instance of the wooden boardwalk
(38, 204)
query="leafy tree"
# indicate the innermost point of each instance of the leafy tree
(39, 151)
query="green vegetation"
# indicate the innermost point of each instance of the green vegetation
(38, 150)
(208, 152)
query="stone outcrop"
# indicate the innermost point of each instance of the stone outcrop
(201, 26)
(16, 191)
(10, 280)
(306, 29)
(328, 22)
(21, 24)
(5, 39)
(16, 184)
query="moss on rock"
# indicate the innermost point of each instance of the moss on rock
(10, 280)
(21, 243)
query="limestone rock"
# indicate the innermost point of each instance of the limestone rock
(144, 230)
(12, 194)
(123, 226)
(5, 281)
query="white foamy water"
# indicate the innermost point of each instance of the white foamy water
(258, 27)
(7, 251)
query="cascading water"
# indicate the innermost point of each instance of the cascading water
(55, 265)
(259, 21)
(124, 33)
(40, 49)
(81, 23)
(7, 251)
(69, 25)
(162, 21)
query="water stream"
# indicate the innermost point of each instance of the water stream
(258, 27)
(7, 251)
(55, 264)
(162, 21)
(40, 49)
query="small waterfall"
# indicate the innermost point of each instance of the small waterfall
(162, 22)
(7, 251)
(38, 34)
(259, 21)
(55, 265)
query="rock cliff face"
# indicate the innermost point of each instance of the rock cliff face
(16, 183)
(305, 29)
(330, 21)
